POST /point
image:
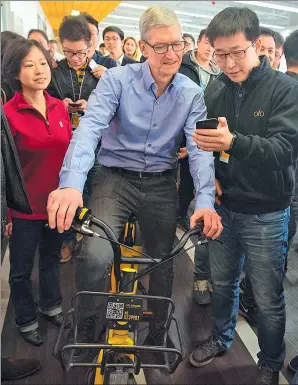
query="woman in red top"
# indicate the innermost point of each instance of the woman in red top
(41, 129)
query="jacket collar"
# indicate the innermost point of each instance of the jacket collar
(22, 103)
(256, 74)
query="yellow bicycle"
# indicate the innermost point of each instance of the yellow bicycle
(118, 359)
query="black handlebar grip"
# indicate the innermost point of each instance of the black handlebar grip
(81, 214)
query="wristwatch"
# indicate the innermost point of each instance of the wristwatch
(234, 140)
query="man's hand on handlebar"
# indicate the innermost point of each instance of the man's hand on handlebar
(62, 205)
(211, 220)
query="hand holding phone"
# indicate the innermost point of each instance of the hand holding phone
(207, 124)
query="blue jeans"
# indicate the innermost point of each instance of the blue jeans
(263, 240)
(26, 236)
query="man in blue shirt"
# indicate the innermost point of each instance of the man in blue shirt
(140, 111)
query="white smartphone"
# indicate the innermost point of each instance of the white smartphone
(93, 64)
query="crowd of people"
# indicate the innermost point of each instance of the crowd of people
(107, 126)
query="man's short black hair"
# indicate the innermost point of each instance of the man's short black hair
(38, 31)
(113, 29)
(202, 33)
(75, 28)
(233, 20)
(267, 32)
(13, 57)
(290, 49)
(279, 40)
(190, 36)
(90, 19)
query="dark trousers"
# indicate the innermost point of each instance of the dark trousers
(26, 236)
(186, 187)
(114, 198)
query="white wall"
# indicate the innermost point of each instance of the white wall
(21, 16)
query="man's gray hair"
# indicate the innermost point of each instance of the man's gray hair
(156, 16)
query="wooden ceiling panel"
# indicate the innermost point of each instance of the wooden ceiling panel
(56, 10)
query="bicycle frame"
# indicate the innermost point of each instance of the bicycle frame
(121, 335)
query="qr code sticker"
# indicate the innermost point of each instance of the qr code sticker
(115, 310)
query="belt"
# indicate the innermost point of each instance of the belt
(139, 174)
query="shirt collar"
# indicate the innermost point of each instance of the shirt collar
(148, 79)
(120, 59)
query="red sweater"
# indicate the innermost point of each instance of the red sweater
(41, 144)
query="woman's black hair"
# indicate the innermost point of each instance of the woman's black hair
(13, 57)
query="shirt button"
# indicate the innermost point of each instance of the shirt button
(157, 102)
(237, 115)
(149, 145)
(154, 124)
(240, 95)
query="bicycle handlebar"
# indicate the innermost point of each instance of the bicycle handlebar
(83, 221)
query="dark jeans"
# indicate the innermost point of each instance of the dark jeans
(26, 236)
(115, 197)
(186, 187)
(248, 295)
(202, 265)
(263, 240)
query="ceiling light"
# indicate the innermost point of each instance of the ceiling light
(193, 14)
(126, 5)
(123, 17)
(121, 25)
(272, 26)
(75, 13)
(269, 5)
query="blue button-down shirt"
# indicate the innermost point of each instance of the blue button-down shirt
(139, 131)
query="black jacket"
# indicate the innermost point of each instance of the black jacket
(188, 68)
(259, 176)
(13, 191)
(128, 60)
(62, 77)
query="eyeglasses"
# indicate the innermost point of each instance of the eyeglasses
(111, 38)
(163, 48)
(236, 55)
(70, 54)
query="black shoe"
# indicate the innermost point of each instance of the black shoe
(33, 337)
(268, 376)
(88, 332)
(250, 313)
(56, 319)
(156, 338)
(205, 353)
(14, 369)
(293, 364)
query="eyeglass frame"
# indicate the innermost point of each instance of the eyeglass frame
(229, 54)
(167, 45)
(76, 53)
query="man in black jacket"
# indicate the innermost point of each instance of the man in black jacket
(113, 38)
(256, 146)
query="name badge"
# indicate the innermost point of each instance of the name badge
(75, 120)
(224, 157)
